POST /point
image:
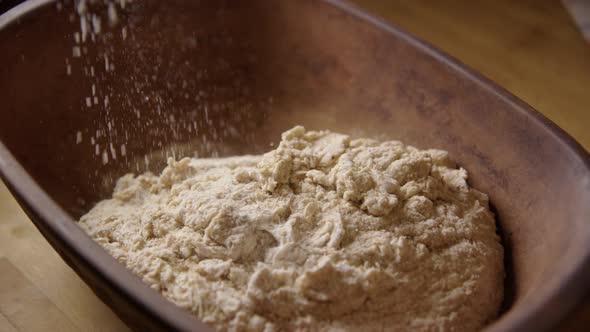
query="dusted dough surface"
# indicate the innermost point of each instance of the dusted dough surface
(324, 233)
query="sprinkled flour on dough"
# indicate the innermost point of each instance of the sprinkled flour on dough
(324, 233)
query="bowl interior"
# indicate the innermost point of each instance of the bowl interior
(214, 78)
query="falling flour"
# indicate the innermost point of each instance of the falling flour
(324, 233)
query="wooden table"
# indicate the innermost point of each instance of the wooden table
(530, 47)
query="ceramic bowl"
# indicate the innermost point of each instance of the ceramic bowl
(227, 77)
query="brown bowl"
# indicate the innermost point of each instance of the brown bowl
(226, 77)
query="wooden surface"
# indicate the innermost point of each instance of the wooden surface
(530, 47)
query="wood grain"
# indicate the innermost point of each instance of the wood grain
(530, 47)
(25, 306)
(37, 276)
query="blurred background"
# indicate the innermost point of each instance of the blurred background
(533, 48)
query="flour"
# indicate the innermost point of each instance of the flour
(324, 233)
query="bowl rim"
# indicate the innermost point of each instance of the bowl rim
(58, 227)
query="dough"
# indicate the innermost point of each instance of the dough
(324, 233)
